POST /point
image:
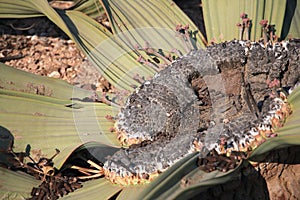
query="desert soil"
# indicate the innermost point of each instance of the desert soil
(38, 46)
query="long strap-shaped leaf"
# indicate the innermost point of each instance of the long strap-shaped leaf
(199, 181)
(38, 109)
(47, 123)
(92, 8)
(93, 39)
(184, 179)
(16, 185)
(291, 20)
(115, 56)
(115, 61)
(94, 189)
(149, 21)
(18, 80)
(221, 17)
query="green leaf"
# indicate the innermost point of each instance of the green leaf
(115, 59)
(84, 31)
(115, 55)
(32, 118)
(221, 17)
(36, 118)
(19, 9)
(18, 80)
(150, 21)
(169, 178)
(294, 97)
(51, 120)
(184, 179)
(16, 185)
(291, 21)
(99, 152)
(96, 149)
(91, 8)
(94, 189)
(131, 192)
(200, 181)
